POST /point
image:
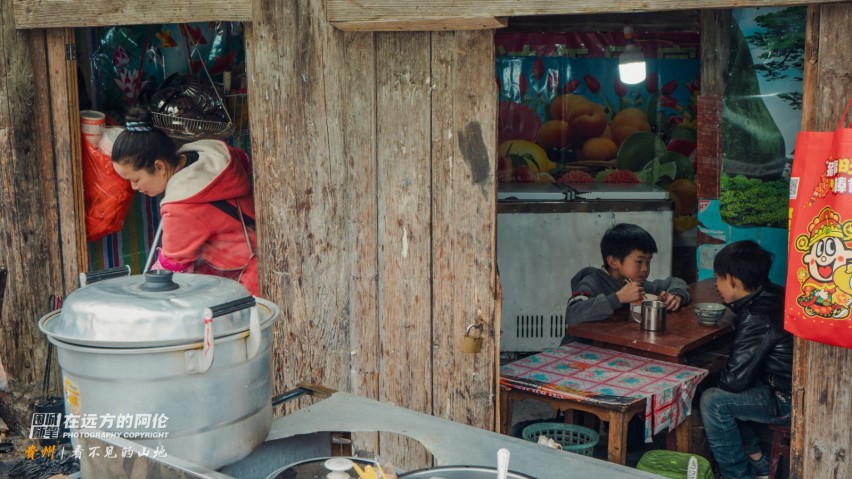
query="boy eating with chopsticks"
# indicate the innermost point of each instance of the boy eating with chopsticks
(596, 293)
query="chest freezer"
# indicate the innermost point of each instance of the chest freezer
(544, 238)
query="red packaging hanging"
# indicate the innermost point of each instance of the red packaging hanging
(107, 195)
(819, 276)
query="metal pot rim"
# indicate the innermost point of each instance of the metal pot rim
(422, 473)
(269, 312)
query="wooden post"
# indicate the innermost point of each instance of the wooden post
(798, 430)
(28, 217)
(822, 404)
(404, 92)
(464, 205)
(715, 50)
(62, 75)
(374, 184)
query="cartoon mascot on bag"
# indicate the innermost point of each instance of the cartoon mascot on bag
(827, 276)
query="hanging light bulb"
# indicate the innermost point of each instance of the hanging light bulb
(631, 63)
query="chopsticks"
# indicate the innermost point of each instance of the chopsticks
(628, 281)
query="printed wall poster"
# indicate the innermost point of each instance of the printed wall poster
(761, 117)
(566, 117)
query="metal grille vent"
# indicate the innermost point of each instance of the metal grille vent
(537, 326)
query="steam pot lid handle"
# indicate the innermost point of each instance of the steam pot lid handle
(158, 281)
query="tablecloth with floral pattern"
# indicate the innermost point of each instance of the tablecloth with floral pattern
(584, 371)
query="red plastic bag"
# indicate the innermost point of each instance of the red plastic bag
(818, 303)
(107, 195)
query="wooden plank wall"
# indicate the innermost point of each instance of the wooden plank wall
(295, 66)
(359, 126)
(403, 92)
(826, 406)
(463, 223)
(29, 224)
(376, 201)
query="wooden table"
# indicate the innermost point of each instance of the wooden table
(683, 332)
(617, 415)
(683, 335)
(611, 385)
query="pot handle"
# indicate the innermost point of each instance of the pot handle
(199, 361)
(90, 277)
(253, 339)
(233, 306)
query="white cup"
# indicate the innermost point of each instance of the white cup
(92, 124)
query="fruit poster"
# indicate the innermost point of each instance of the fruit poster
(566, 117)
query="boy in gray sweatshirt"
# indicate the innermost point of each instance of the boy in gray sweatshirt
(596, 293)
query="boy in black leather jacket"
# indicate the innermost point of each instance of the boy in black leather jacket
(755, 384)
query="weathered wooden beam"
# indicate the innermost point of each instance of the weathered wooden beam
(822, 402)
(424, 24)
(432, 14)
(810, 78)
(98, 13)
(304, 196)
(676, 21)
(404, 235)
(464, 205)
(28, 220)
(350, 15)
(62, 74)
(715, 50)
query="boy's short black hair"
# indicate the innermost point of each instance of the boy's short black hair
(746, 261)
(620, 240)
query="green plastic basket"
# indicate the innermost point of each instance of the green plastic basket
(571, 437)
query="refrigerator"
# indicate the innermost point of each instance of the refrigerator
(546, 233)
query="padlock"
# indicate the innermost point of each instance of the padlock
(471, 344)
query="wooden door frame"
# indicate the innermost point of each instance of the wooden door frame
(64, 128)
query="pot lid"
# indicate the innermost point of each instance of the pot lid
(159, 308)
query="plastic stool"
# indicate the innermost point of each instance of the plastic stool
(673, 464)
(780, 447)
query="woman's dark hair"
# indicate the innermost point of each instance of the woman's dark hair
(620, 240)
(140, 145)
(746, 261)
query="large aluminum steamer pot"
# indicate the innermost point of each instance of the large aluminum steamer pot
(179, 363)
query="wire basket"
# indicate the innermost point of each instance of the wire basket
(571, 437)
(191, 129)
